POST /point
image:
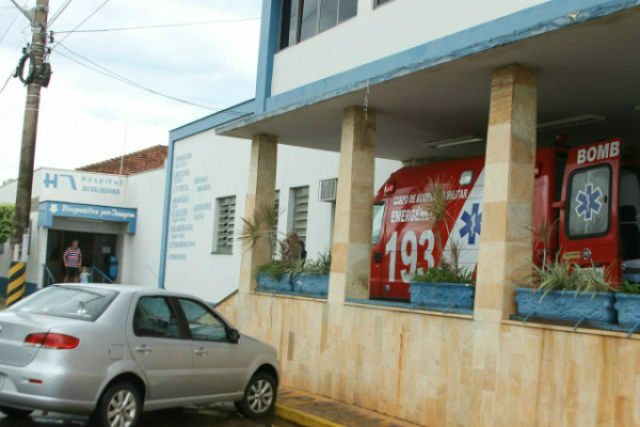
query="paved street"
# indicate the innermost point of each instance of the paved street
(218, 416)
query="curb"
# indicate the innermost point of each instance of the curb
(303, 418)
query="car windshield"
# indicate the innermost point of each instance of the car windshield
(67, 301)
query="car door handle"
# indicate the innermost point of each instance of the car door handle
(144, 349)
(201, 351)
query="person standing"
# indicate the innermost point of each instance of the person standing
(72, 262)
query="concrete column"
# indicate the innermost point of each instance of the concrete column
(260, 194)
(507, 213)
(351, 262)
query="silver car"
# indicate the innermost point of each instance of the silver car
(113, 352)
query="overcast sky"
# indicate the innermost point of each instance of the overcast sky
(83, 114)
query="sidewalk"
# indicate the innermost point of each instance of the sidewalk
(309, 410)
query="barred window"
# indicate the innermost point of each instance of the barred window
(225, 224)
(300, 204)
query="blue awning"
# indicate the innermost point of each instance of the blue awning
(49, 210)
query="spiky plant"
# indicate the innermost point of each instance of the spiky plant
(260, 225)
(436, 208)
(542, 234)
(564, 276)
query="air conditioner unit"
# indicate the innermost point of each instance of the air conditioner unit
(328, 190)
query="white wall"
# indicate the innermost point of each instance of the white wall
(377, 33)
(191, 267)
(145, 191)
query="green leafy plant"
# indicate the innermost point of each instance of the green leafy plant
(444, 273)
(274, 269)
(319, 267)
(629, 288)
(6, 222)
(565, 276)
(542, 235)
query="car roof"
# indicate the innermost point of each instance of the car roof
(129, 289)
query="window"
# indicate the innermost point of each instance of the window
(378, 215)
(67, 301)
(302, 19)
(381, 2)
(300, 204)
(588, 211)
(204, 326)
(154, 317)
(225, 214)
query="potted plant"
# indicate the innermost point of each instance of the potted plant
(313, 277)
(564, 291)
(444, 287)
(628, 306)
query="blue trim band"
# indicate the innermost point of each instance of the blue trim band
(549, 16)
(269, 36)
(216, 119)
(165, 216)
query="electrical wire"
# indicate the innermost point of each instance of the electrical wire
(6, 82)
(108, 73)
(81, 22)
(58, 13)
(146, 27)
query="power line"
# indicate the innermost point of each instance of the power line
(6, 82)
(82, 22)
(146, 27)
(108, 73)
(59, 12)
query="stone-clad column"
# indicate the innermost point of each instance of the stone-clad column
(507, 214)
(351, 262)
(260, 194)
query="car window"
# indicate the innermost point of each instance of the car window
(67, 301)
(154, 317)
(588, 213)
(203, 324)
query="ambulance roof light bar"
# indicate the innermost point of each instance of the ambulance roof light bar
(450, 142)
(586, 119)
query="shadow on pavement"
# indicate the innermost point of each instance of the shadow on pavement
(217, 415)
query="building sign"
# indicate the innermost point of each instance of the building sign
(49, 210)
(190, 207)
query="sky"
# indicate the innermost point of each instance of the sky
(86, 117)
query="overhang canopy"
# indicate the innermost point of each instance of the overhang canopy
(587, 69)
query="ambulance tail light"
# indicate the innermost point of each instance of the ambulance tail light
(390, 187)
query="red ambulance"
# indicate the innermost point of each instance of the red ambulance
(587, 191)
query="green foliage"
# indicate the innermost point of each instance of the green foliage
(275, 269)
(278, 269)
(6, 222)
(564, 276)
(444, 273)
(629, 288)
(319, 267)
(436, 206)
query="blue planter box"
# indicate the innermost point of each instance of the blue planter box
(567, 305)
(628, 306)
(268, 283)
(444, 296)
(314, 285)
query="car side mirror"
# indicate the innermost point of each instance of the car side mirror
(628, 213)
(233, 336)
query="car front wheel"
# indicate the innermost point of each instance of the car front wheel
(259, 397)
(120, 406)
(15, 413)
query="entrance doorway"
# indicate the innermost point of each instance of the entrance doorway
(96, 250)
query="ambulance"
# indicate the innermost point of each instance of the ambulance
(590, 193)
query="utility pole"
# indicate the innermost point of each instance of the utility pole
(38, 77)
